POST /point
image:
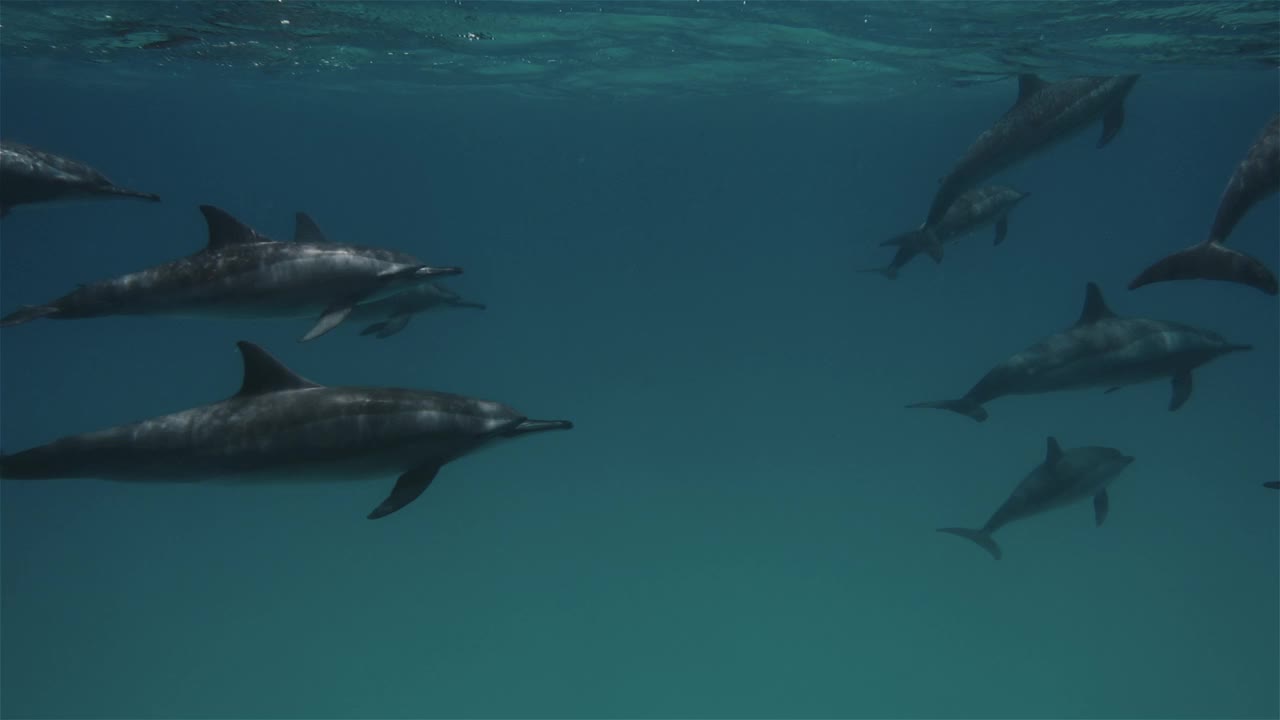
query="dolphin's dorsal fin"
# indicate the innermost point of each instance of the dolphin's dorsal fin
(1028, 84)
(225, 230)
(305, 230)
(1053, 452)
(1095, 308)
(264, 374)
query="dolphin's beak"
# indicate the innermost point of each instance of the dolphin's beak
(426, 271)
(527, 427)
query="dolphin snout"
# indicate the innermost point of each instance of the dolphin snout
(426, 271)
(525, 427)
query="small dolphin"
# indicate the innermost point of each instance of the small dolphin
(282, 428)
(972, 211)
(241, 273)
(1043, 115)
(1063, 478)
(1100, 350)
(28, 176)
(1274, 485)
(1256, 177)
(395, 311)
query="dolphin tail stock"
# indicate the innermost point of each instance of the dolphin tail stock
(1209, 260)
(964, 406)
(981, 537)
(27, 313)
(922, 239)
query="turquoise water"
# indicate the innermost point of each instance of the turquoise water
(742, 522)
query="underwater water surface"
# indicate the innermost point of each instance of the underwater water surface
(664, 208)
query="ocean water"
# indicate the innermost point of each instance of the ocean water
(742, 522)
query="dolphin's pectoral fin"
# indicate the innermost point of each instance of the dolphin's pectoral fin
(981, 537)
(1181, 389)
(1002, 229)
(393, 325)
(1101, 505)
(408, 487)
(330, 319)
(1111, 124)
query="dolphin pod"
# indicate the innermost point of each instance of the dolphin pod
(1256, 177)
(282, 427)
(30, 176)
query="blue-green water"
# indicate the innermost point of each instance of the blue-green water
(742, 523)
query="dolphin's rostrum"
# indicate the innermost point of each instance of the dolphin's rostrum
(281, 427)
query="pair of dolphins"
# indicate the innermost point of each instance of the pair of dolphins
(1046, 114)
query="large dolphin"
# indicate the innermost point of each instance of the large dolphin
(1256, 177)
(392, 313)
(1043, 115)
(1063, 478)
(1100, 350)
(241, 273)
(972, 211)
(283, 428)
(28, 175)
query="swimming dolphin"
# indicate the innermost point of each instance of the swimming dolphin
(241, 273)
(1063, 478)
(395, 311)
(1043, 115)
(1100, 350)
(1256, 177)
(970, 212)
(28, 175)
(1274, 485)
(282, 428)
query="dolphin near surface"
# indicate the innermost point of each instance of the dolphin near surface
(972, 211)
(1101, 349)
(29, 176)
(281, 427)
(241, 273)
(1256, 177)
(1044, 115)
(392, 313)
(1065, 477)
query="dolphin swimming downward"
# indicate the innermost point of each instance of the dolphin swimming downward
(1100, 350)
(241, 273)
(1063, 478)
(1256, 177)
(1044, 114)
(281, 427)
(29, 176)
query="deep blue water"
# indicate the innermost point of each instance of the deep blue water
(742, 521)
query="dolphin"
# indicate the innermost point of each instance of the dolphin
(972, 211)
(1100, 350)
(1256, 177)
(395, 311)
(28, 176)
(1274, 485)
(241, 273)
(1065, 477)
(1044, 114)
(281, 428)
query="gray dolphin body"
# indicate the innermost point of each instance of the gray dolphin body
(1065, 477)
(1256, 177)
(281, 427)
(241, 273)
(1100, 350)
(29, 176)
(392, 313)
(972, 211)
(1044, 115)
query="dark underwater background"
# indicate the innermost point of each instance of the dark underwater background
(742, 522)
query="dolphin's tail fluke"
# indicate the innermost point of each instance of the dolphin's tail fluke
(1209, 261)
(27, 313)
(964, 406)
(920, 240)
(981, 537)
